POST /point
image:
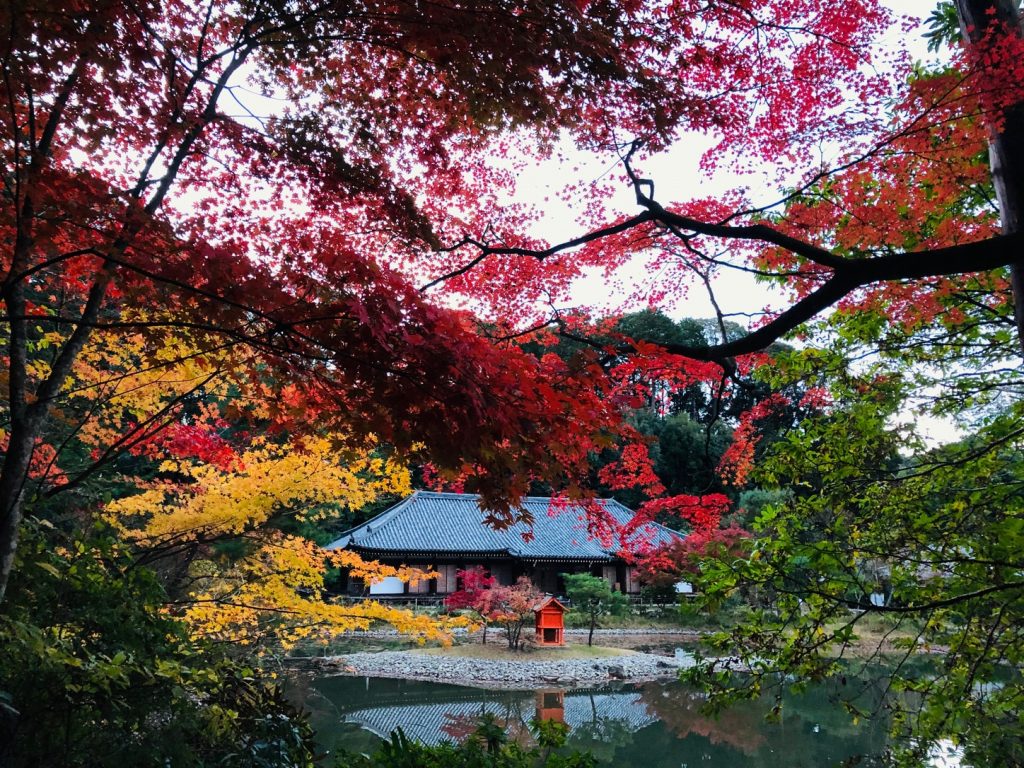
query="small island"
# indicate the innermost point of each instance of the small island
(494, 666)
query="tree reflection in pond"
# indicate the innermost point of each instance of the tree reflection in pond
(679, 711)
(652, 725)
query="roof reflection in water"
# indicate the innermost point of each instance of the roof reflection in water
(651, 725)
(432, 723)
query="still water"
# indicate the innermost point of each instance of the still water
(654, 725)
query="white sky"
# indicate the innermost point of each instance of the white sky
(677, 178)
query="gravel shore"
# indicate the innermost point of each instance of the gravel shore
(461, 632)
(498, 673)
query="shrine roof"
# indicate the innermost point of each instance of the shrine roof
(438, 523)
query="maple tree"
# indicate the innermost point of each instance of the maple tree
(513, 609)
(476, 594)
(97, 155)
(148, 198)
(681, 558)
(208, 504)
(878, 522)
(312, 261)
(909, 235)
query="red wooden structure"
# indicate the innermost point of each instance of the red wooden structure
(550, 622)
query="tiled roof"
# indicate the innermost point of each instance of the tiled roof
(452, 522)
(548, 601)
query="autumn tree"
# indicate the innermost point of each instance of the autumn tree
(476, 594)
(151, 195)
(594, 597)
(311, 258)
(145, 198)
(895, 238)
(513, 609)
(680, 559)
(937, 533)
(216, 506)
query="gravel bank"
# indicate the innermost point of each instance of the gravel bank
(498, 673)
(461, 632)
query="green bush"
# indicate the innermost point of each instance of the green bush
(594, 597)
(488, 747)
(94, 672)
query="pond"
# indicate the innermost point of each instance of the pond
(654, 725)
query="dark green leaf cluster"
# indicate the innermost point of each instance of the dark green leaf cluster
(892, 563)
(95, 672)
(487, 747)
(943, 27)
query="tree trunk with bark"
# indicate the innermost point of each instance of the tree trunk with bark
(12, 491)
(1006, 142)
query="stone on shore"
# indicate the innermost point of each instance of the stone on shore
(501, 673)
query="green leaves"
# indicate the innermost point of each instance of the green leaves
(943, 27)
(594, 597)
(487, 747)
(887, 558)
(86, 641)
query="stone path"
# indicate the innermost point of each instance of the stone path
(501, 673)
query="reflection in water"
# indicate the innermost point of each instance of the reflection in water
(652, 724)
(431, 723)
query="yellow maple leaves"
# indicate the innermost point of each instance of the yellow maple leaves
(277, 594)
(275, 591)
(211, 511)
(308, 480)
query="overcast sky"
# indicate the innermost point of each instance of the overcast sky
(677, 178)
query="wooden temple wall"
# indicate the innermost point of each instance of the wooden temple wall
(546, 576)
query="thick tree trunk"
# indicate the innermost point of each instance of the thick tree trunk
(12, 497)
(593, 621)
(1006, 146)
(21, 442)
(27, 417)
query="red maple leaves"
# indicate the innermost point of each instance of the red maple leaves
(673, 562)
(289, 249)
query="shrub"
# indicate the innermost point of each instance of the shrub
(593, 596)
(94, 672)
(488, 747)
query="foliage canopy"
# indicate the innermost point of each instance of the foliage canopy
(204, 294)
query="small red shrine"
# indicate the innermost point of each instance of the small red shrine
(550, 622)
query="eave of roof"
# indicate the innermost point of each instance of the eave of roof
(452, 524)
(549, 600)
(485, 553)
